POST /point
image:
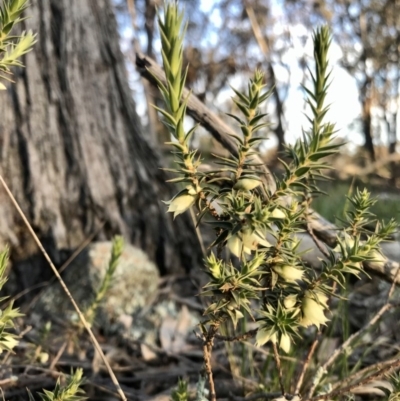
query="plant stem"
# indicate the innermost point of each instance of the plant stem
(278, 366)
(207, 351)
(355, 335)
(377, 375)
(307, 362)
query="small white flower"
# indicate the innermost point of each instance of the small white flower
(181, 203)
(247, 184)
(285, 343)
(251, 240)
(290, 301)
(379, 259)
(8, 342)
(278, 214)
(265, 335)
(289, 273)
(235, 245)
(313, 311)
(246, 241)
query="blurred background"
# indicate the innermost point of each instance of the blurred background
(228, 40)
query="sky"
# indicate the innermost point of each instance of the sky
(342, 95)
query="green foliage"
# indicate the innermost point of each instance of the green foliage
(266, 279)
(116, 252)
(201, 391)
(247, 214)
(386, 207)
(12, 48)
(7, 340)
(180, 393)
(394, 380)
(70, 392)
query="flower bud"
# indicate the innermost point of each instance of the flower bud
(247, 184)
(265, 335)
(251, 240)
(278, 214)
(247, 241)
(313, 310)
(290, 301)
(285, 343)
(288, 273)
(181, 203)
(235, 245)
(348, 242)
(191, 190)
(215, 269)
(378, 258)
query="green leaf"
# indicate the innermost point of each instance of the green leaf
(243, 108)
(239, 120)
(241, 96)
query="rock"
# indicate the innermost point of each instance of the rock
(134, 285)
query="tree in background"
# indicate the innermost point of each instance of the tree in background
(368, 33)
(73, 150)
(255, 33)
(243, 27)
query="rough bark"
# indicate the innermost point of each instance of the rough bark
(366, 102)
(71, 144)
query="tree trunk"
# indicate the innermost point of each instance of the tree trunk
(72, 148)
(366, 103)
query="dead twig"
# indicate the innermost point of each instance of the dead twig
(240, 337)
(253, 397)
(386, 370)
(208, 343)
(375, 367)
(279, 367)
(306, 363)
(355, 335)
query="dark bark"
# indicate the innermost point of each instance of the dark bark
(392, 130)
(279, 131)
(72, 147)
(366, 102)
(394, 173)
(150, 15)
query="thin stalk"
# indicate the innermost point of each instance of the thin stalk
(353, 337)
(306, 363)
(278, 367)
(375, 376)
(207, 351)
(66, 290)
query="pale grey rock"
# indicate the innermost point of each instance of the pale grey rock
(134, 285)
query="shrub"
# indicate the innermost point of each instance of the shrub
(265, 279)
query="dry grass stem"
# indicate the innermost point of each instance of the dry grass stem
(306, 363)
(354, 336)
(66, 290)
